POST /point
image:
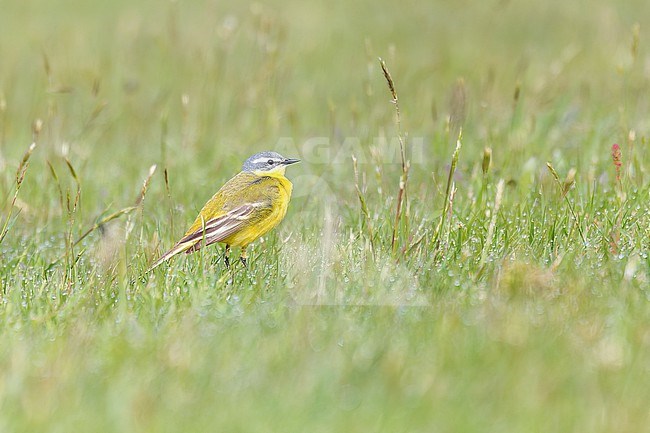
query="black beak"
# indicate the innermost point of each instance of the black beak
(290, 161)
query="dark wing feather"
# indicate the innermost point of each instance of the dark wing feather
(220, 228)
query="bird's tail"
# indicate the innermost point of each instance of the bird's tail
(178, 248)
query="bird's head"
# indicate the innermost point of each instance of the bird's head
(267, 163)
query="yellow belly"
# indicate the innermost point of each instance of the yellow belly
(252, 233)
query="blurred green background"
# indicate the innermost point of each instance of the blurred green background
(520, 308)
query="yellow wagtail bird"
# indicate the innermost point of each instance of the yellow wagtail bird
(245, 208)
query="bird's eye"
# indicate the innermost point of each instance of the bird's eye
(270, 161)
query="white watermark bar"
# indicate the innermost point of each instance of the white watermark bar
(376, 150)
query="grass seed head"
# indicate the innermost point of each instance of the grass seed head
(569, 181)
(487, 160)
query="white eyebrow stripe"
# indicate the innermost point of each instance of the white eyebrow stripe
(264, 159)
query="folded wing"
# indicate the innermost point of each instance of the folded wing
(215, 230)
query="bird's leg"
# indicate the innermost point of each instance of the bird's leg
(226, 257)
(243, 257)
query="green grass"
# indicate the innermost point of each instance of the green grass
(504, 305)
